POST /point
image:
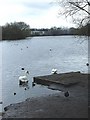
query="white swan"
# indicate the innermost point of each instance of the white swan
(54, 71)
(23, 79)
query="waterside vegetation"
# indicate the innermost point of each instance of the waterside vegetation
(20, 30)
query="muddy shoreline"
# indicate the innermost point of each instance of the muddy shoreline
(56, 105)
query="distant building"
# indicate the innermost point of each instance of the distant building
(37, 32)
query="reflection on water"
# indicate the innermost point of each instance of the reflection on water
(38, 55)
(33, 84)
(25, 86)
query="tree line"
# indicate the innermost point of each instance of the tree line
(84, 30)
(20, 30)
(16, 30)
(54, 31)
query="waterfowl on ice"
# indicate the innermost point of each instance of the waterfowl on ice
(66, 94)
(23, 79)
(22, 68)
(14, 93)
(54, 71)
(50, 49)
(87, 64)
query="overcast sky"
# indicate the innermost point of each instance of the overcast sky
(36, 13)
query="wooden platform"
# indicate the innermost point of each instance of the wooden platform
(65, 79)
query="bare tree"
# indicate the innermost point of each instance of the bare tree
(79, 10)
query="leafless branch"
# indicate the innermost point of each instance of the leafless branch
(82, 8)
(75, 9)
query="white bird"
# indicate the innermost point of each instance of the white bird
(23, 79)
(54, 71)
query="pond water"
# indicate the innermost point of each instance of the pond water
(38, 55)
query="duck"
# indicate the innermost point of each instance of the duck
(66, 94)
(22, 68)
(50, 49)
(54, 71)
(14, 93)
(23, 79)
(87, 64)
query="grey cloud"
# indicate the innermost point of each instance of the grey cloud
(37, 5)
(36, 8)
